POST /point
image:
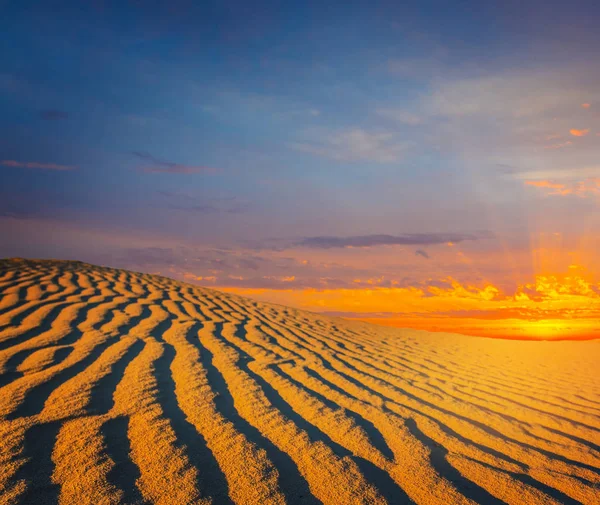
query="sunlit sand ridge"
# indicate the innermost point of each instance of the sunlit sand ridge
(118, 387)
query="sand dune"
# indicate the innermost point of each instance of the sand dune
(118, 387)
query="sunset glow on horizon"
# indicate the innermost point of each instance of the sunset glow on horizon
(558, 305)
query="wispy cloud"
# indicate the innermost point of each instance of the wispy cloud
(188, 203)
(518, 94)
(357, 144)
(329, 242)
(559, 145)
(211, 209)
(35, 164)
(156, 165)
(422, 253)
(53, 114)
(400, 115)
(582, 189)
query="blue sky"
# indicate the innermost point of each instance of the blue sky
(180, 137)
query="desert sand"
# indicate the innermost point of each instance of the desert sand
(119, 387)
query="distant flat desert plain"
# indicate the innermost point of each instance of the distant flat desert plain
(119, 387)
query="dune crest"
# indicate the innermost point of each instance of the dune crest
(120, 387)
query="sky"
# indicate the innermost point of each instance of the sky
(431, 164)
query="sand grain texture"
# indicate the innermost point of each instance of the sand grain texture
(119, 387)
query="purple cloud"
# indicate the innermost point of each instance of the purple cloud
(329, 242)
(35, 164)
(155, 165)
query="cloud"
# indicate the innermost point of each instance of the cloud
(579, 133)
(518, 94)
(581, 189)
(155, 165)
(328, 242)
(401, 116)
(35, 164)
(53, 114)
(150, 256)
(211, 209)
(586, 105)
(189, 203)
(421, 252)
(559, 145)
(545, 184)
(356, 145)
(567, 173)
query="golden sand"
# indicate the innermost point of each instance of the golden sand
(119, 387)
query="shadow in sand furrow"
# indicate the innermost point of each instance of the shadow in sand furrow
(242, 333)
(418, 399)
(489, 430)
(73, 335)
(441, 465)
(50, 281)
(110, 314)
(373, 434)
(329, 384)
(44, 326)
(447, 430)
(557, 457)
(587, 443)
(67, 300)
(595, 405)
(385, 485)
(557, 495)
(47, 321)
(45, 389)
(569, 405)
(554, 415)
(159, 330)
(273, 353)
(211, 480)
(60, 355)
(125, 472)
(37, 470)
(515, 421)
(298, 339)
(36, 397)
(21, 293)
(134, 321)
(11, 374)
(101, 397)
(291, 482)
(21, 284)
(273, 324)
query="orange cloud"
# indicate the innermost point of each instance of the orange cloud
(582, 189)
(586, 105)
(280, 278)
(545, 184)
(579, 133)
(194, 277)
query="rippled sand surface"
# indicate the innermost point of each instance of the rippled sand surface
(119, 387)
